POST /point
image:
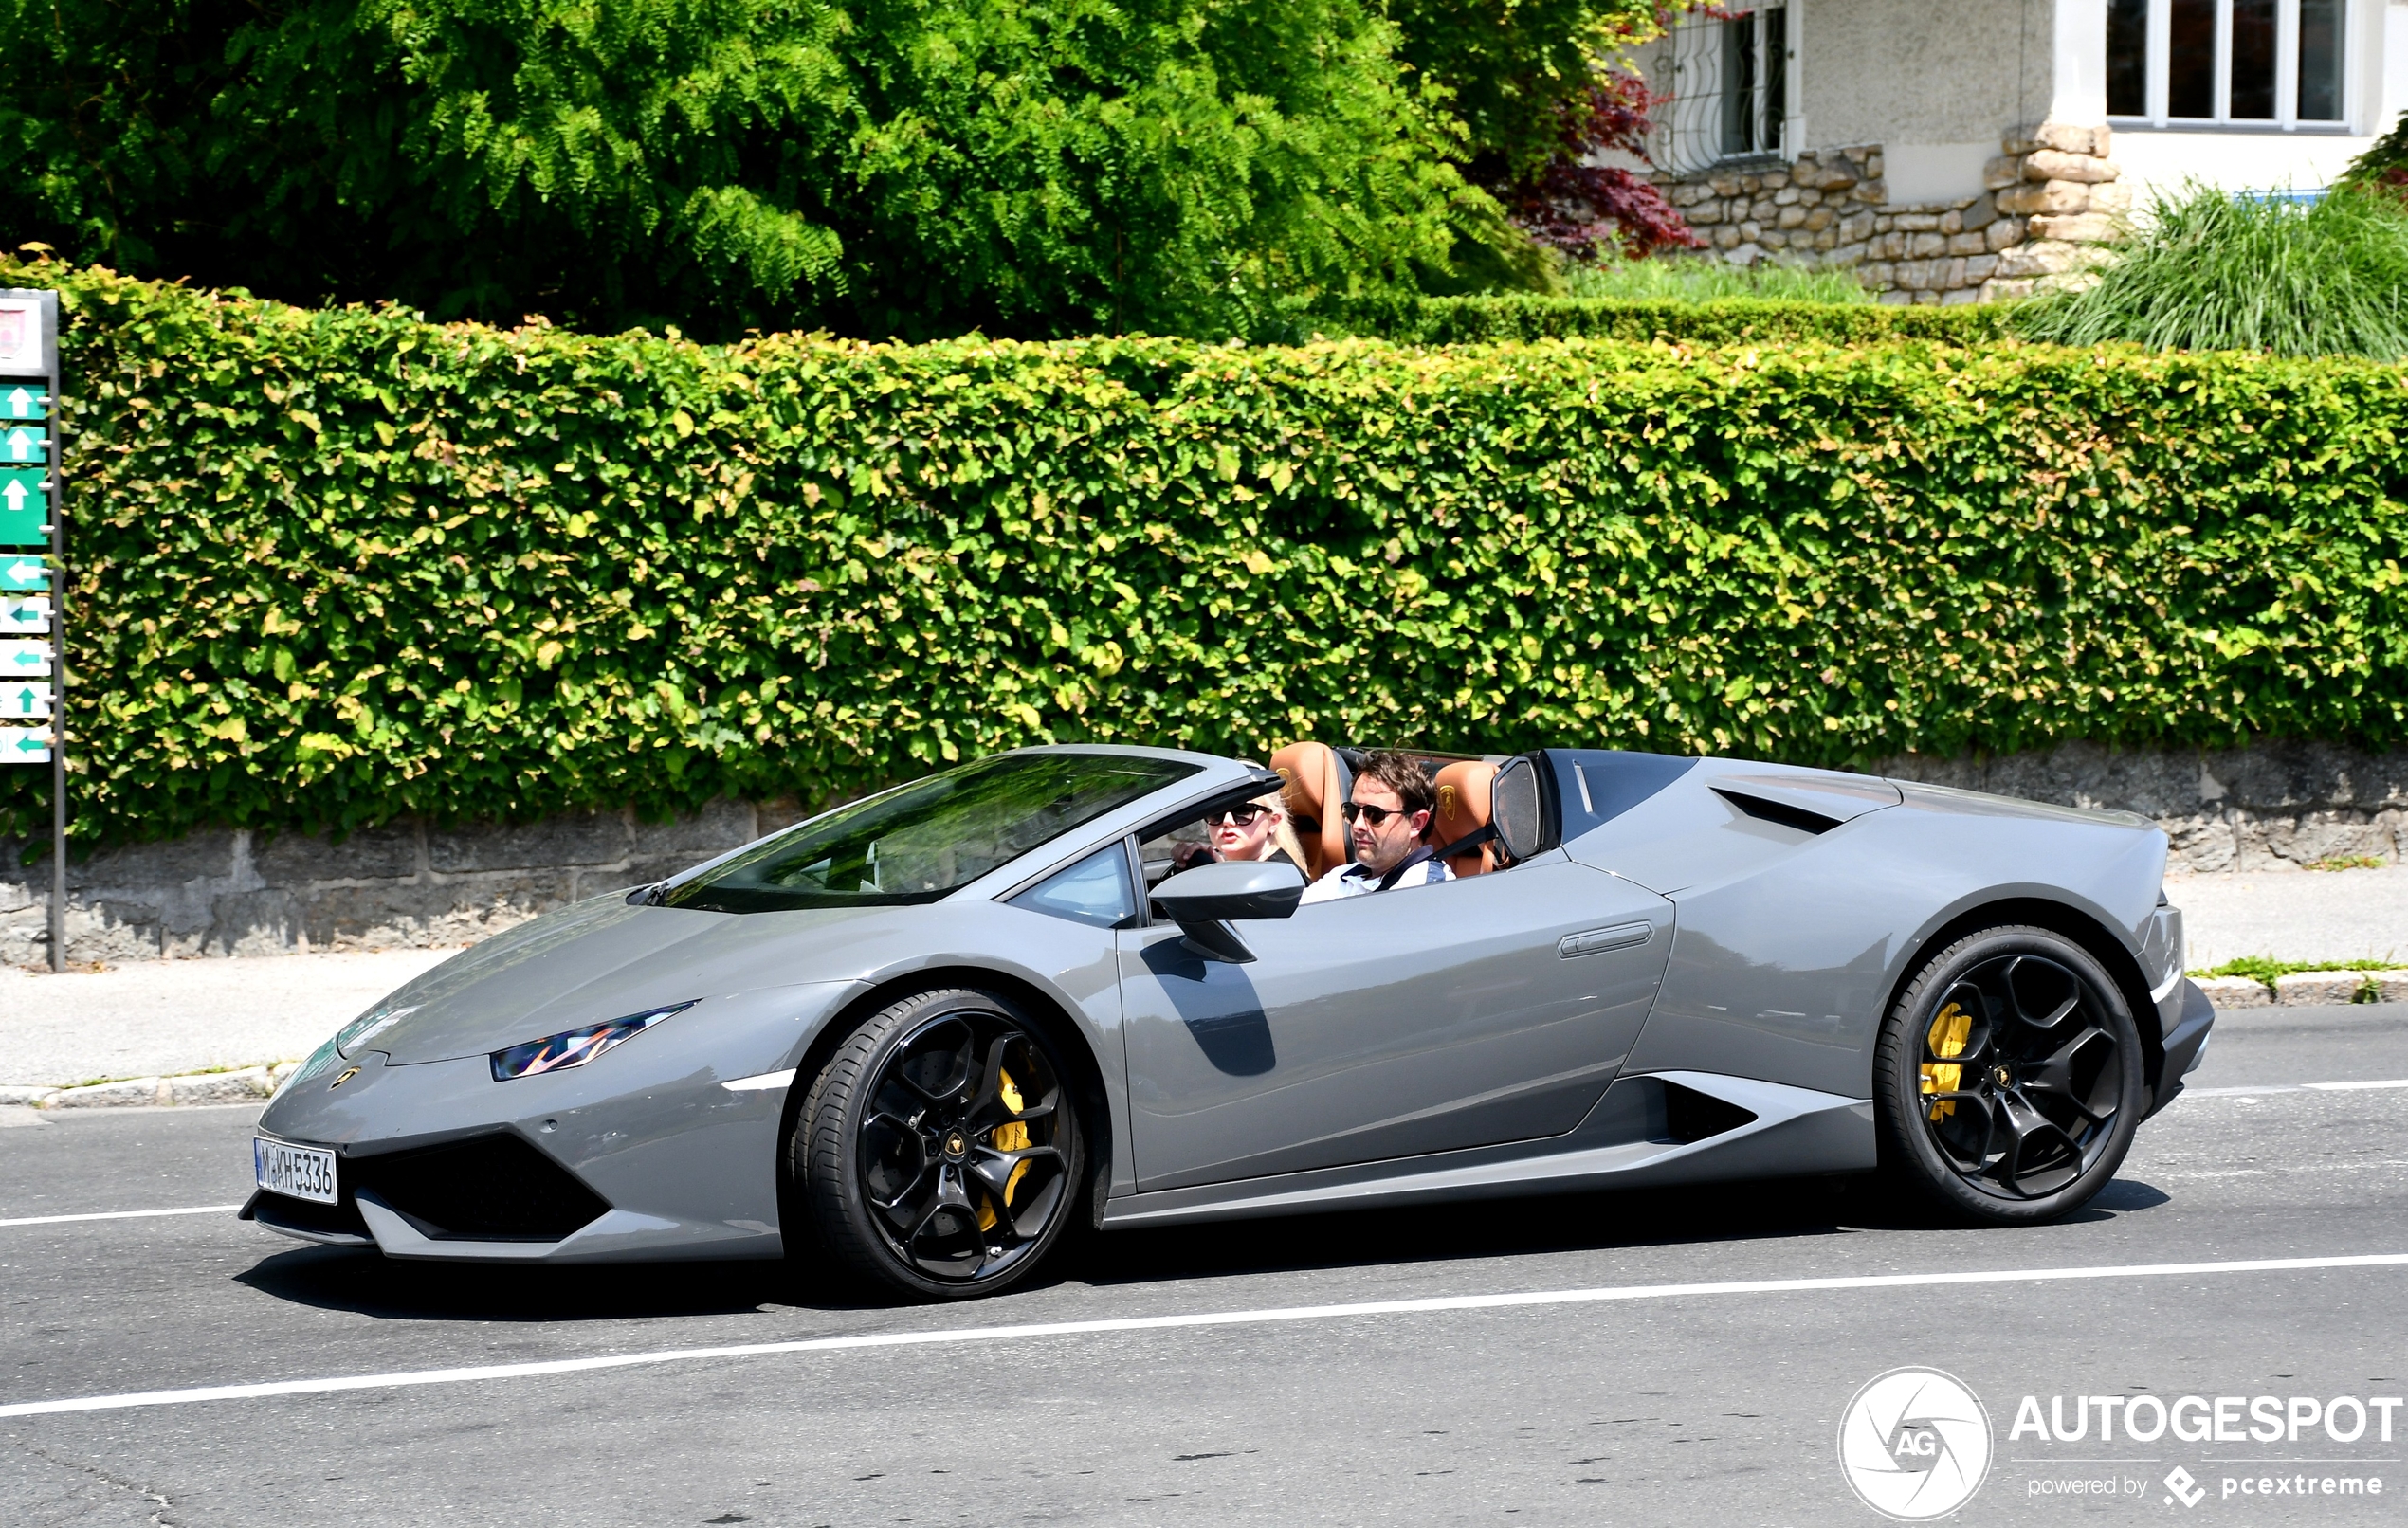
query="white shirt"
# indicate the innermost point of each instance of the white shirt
(1351, 879)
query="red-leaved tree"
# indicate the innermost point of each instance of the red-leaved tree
(1572, 205)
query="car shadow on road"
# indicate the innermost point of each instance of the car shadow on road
(1564, 1222)
(368, 1284)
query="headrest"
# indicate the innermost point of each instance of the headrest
(1463, 809)
(1316, 784)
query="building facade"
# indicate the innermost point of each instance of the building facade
(1951, 150)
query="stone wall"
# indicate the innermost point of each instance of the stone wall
(2051, 191)
(2273, 807)
(406, 884)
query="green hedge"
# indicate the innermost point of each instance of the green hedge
(335, 567)
(1456, 320)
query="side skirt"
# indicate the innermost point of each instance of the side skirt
(1647, 1131)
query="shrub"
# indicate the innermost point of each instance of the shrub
(1712, 321)
(331, 568)
(2213, 272)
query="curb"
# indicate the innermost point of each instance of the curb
(249, 1085)
(2306, 987)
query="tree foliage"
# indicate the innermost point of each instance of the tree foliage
(334, 567)
(906, 166)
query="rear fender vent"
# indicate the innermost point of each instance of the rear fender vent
(1765, 810)
(493, 1187)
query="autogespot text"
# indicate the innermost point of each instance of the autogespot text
(2258, 1420)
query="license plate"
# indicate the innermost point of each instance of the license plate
(299, 1172)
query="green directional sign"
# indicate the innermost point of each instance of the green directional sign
(23, 571)
(22, 402)
(24, 506)
(24, 444)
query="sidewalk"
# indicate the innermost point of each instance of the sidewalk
(158, 1018)
(2294, 915)
(152, 1018)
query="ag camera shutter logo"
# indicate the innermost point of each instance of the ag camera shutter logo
(1914, 1444)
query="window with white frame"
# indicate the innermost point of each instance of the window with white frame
(1754, 80)
(2243, 61)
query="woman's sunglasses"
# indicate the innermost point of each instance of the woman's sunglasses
(1376, 814)
(1238, 816)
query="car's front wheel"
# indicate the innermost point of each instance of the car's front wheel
(2010, 1077)
(940, 1148)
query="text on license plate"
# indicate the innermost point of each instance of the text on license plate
(301, 1172)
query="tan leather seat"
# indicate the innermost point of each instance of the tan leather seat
(1315, 788)
(1462, 811)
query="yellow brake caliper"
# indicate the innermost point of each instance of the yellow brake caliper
(1947, 1038)
(1010, 1136)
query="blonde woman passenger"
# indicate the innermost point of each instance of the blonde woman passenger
(1256, 830)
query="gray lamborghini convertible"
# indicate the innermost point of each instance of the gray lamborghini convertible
(922, 1036)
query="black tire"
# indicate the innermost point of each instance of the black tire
(2008, 1079)
(939, 1150)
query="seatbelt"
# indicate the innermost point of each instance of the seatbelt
(1420, 856)
(1485, 833)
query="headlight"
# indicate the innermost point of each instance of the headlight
(574, 1047)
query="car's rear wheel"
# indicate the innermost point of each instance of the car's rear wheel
(940, 1148)
(2010, 1077)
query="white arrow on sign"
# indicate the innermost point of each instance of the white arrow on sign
(21, 700)
(22, 405)
(22, 445)
(14, 495)
(25, 572)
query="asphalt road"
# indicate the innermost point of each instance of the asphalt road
(1693, 1407)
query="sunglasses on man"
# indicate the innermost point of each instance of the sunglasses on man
(1375, 816)
(1246, 816)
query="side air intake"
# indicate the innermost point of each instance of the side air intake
(1689, 1115)
(1655, 1109)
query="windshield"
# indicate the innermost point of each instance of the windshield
(919, 842)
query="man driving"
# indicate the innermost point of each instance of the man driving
(1387, 823)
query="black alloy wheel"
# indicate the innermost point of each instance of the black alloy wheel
(940, 1148)
(2011, 1077)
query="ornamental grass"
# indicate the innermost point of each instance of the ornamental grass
(2215, 271)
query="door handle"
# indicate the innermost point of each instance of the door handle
(1597, 942)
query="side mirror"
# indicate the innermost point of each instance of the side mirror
(1199, 901)
(1514, 810)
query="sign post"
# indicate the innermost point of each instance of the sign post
(33, 713)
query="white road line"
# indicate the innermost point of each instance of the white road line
(2285, 1087)
(123, 1214)
(1160, 1323)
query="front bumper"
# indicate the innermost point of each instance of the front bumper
(663, 1148)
